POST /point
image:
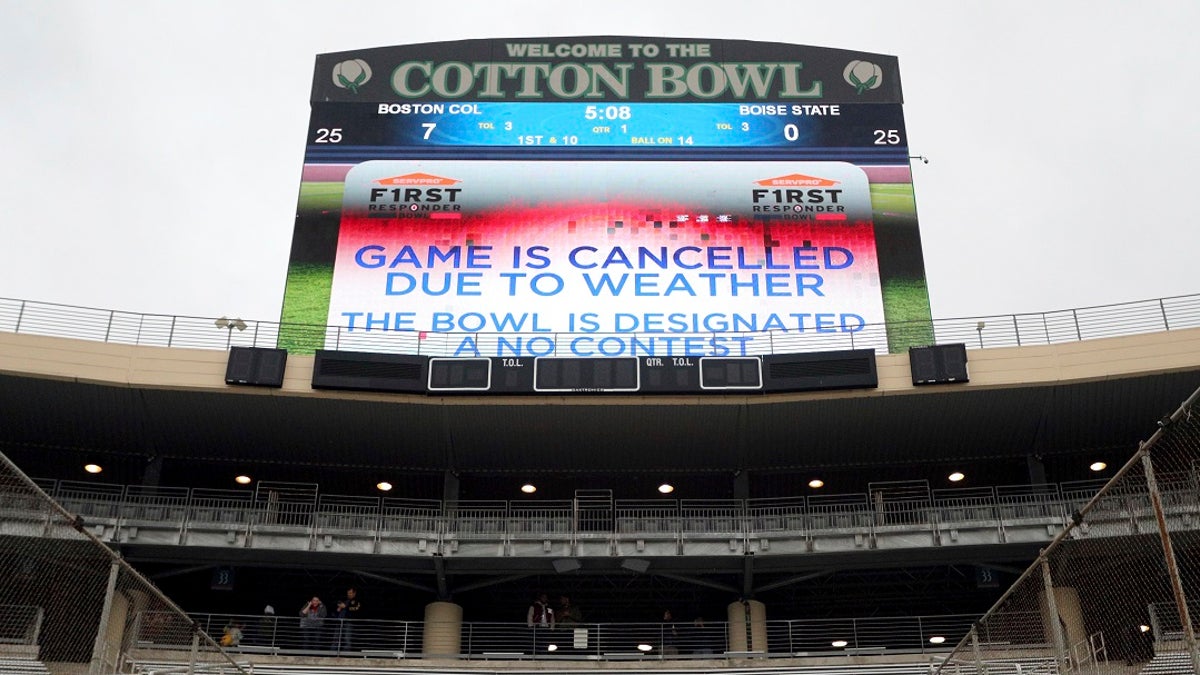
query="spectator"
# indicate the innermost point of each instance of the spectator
(312, 620)
(233, 635)
(346, 612)
(701, 639)
(540, 614)
(540, 619)
(568, 616)
(266, 627)
(670, 635)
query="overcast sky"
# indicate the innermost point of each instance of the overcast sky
(152, 150)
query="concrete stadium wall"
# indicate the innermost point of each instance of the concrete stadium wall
(203, 369)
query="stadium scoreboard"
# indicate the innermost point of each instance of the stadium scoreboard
(524, 196)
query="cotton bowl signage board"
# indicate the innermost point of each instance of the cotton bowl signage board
(521, 197)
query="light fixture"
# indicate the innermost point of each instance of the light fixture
(816, 483)
(936, 640)
(229, 324)
(242, 479)
(1144, 628)
(564, 565)
(1098, 466)
(955, 477)
(384, 485)
(644, 647)
(93, 468)
(666, 488)
(639, 565)
(839, 643)
(551, 648)
(529, 488)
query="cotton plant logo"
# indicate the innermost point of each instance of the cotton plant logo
(863, 75)
(351, 74)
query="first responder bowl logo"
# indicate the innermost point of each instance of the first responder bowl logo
(408, 194)
(351, 74)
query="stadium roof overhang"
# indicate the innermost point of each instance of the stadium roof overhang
(590, 434)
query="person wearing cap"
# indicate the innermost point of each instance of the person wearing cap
(265, 632)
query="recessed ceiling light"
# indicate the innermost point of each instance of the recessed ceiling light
(956, 476)
(937, 640)
(666, 488)
(242, 480)
(384, 485)
(644, 647)
(816, 483)
(529, 488)
(1098, 466)
(92, 468)
(839, 643)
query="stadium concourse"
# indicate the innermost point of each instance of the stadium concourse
(1028, 434)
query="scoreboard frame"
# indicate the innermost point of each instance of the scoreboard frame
(649, 100)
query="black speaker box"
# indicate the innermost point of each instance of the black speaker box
(847, 369)
(257, 366)
(938, 364)
(364, 371)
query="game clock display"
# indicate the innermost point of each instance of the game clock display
(814, 131)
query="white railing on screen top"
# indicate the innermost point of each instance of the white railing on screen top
(1014, 330)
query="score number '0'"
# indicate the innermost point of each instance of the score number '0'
(791, 132)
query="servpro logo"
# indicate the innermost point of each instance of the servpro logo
(796, 180)
(417, 179)
(414, 195)
(798, 196)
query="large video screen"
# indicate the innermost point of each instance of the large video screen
(605, 196)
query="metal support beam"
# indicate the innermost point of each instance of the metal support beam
(180, 570)
(491, 582)
(695, 581)
(392, 580)
(97, 664)
(439, 569)
(791, 580)
(1054, 618)
(1181, 601)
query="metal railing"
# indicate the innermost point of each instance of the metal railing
(1164, 620)
(991, 508)
(1035, 328)
(381, 638)
(20, 624)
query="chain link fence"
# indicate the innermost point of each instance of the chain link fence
(72, 601)
(1111, 591)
